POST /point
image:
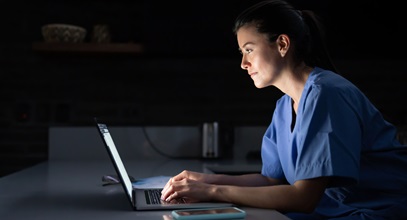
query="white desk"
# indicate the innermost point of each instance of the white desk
(73, 190)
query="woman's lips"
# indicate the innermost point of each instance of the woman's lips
(252, 74)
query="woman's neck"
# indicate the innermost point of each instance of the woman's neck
(293, 83)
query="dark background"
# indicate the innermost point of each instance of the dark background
(188, 73)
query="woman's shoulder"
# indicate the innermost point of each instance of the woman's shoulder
(327, 80)
(319, 76)
(331, 88)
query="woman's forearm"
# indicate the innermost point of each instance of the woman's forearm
(254, 179)
(303, 196)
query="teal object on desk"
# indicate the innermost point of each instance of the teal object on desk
(209, 213)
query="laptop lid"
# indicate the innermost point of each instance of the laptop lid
(136, 196)
(117, 161)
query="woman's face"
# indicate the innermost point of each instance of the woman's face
(260, 57)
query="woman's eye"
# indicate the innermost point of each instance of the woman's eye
(245, 51)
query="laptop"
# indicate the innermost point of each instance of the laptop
(144, 199)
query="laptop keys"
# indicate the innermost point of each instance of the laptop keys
(153, 196)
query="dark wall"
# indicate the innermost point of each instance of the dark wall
(189, 72)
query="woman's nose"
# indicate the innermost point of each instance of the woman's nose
(244, 64)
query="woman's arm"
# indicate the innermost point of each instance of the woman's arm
(303, 196)
(248, 190)
(190, 177)
(254, 179)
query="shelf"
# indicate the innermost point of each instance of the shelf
(125, 48)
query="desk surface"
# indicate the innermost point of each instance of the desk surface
(73, 190)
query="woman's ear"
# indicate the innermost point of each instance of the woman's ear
(283, 42)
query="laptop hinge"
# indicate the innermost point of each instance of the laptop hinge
(133, 192)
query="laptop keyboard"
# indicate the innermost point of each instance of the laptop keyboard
(153, 196)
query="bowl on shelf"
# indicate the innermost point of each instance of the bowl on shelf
(65, 33)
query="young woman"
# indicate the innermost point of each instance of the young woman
(328, 152)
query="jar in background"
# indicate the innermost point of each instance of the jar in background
(210, 140)
(101, 34)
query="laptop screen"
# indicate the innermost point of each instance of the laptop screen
(114, 154)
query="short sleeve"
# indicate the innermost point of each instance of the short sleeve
(328, 136)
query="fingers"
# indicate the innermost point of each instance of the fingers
(175, 189)
(171, 197)
(171, 191)
(177, 186)
(167, 190)
(167, 185)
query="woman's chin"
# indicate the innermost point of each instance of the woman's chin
(259, 86)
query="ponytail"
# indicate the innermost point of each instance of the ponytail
(318, 51)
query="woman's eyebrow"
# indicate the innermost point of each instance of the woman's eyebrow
(247, 43)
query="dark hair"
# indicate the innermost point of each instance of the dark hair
(275, 17)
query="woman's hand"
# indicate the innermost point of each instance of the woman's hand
(190, 185)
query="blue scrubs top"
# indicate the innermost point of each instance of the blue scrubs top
(339, 133)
